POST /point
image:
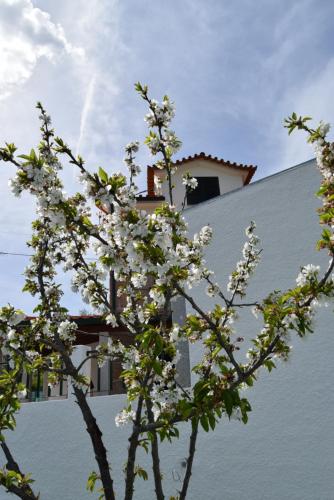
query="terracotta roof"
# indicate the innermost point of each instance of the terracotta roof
(89, 328)
(250, 169)
(79, 318)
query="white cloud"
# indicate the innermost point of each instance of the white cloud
(234, 72)
(27, 34)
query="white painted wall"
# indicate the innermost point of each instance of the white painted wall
(285, 452)
(229, 178)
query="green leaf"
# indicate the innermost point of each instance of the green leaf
(212, 421)
(103, 175)
(139, 471)
(157, 367)
(326, 234)
(269, 364)
(204, 423)
(249, 381)
(93, 477)
(228, 401)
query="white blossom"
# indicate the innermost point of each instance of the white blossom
(67, 330)
(238, 280)
(11, 335)
(157, 296)
(157, 184)
(307, 273)
(124, 417)
(111, 320)
(22, 394)
(174, 333)
(204, 236)
(190, 182)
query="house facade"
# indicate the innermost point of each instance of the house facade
(215, 176)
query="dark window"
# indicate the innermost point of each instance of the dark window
(36, 386)
(208, 187)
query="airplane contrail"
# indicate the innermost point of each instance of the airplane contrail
(86, 110)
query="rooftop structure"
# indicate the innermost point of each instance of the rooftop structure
(215, 176)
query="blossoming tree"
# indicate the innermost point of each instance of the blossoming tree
(154, 250)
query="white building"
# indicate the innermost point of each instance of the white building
(215, 177)
(285, 452)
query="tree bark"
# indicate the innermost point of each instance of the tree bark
(155, 456)
(92, 428)
(192, 449)
(99, 448)
(130, 466)
(25, 492)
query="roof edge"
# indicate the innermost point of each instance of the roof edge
(198, 156)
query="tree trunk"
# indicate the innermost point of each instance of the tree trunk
(99, 448)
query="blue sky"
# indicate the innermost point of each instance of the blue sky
(234, 69)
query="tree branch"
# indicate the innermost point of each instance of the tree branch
(25, 492)
(95, 434)
(190, 459)
(213, 327)
(155, 455)
(133, 440)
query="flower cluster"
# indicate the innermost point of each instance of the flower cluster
(158, 185)
(324, 153)
(67, 330)
(159, 117)
(90, 282)
(238, 280)
(167, 140)
(308, 273)
(130, 150)
(160, 114)
(324, 150)
(124, 417)
(10, 318)
(165, 396)
(190, 182)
